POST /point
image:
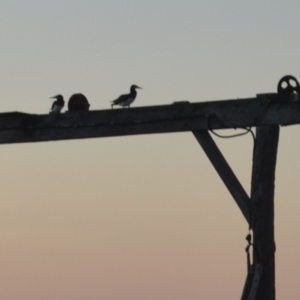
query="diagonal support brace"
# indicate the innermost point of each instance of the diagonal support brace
(225, 172)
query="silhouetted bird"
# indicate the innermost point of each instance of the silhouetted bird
(78, 102)
(127, 99)
(57, 105)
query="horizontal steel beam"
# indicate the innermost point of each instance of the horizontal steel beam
(267, 109)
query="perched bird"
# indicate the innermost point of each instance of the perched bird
(58, 104)
(78, 102)
(127, 99)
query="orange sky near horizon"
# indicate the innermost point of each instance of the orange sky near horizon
(140, 217)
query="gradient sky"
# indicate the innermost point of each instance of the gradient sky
(142, 217)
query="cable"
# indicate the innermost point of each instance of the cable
(249, 236)
(253, 135)
(232, 136)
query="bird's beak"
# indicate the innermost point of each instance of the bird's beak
(54, 97)
(139, 87)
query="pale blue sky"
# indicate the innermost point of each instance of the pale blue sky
(198, 50)
(141, 217)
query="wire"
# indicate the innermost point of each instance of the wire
(249, 236)
(234, 135)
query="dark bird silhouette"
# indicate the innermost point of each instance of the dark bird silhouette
(127, 99)
(78, 102)
(57, 105)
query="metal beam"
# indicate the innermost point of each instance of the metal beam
(262, 200)
(225, 172)
(269, 109)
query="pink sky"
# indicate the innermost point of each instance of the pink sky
(143, 217)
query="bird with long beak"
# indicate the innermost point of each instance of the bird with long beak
(58, 104)
(127, 99)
